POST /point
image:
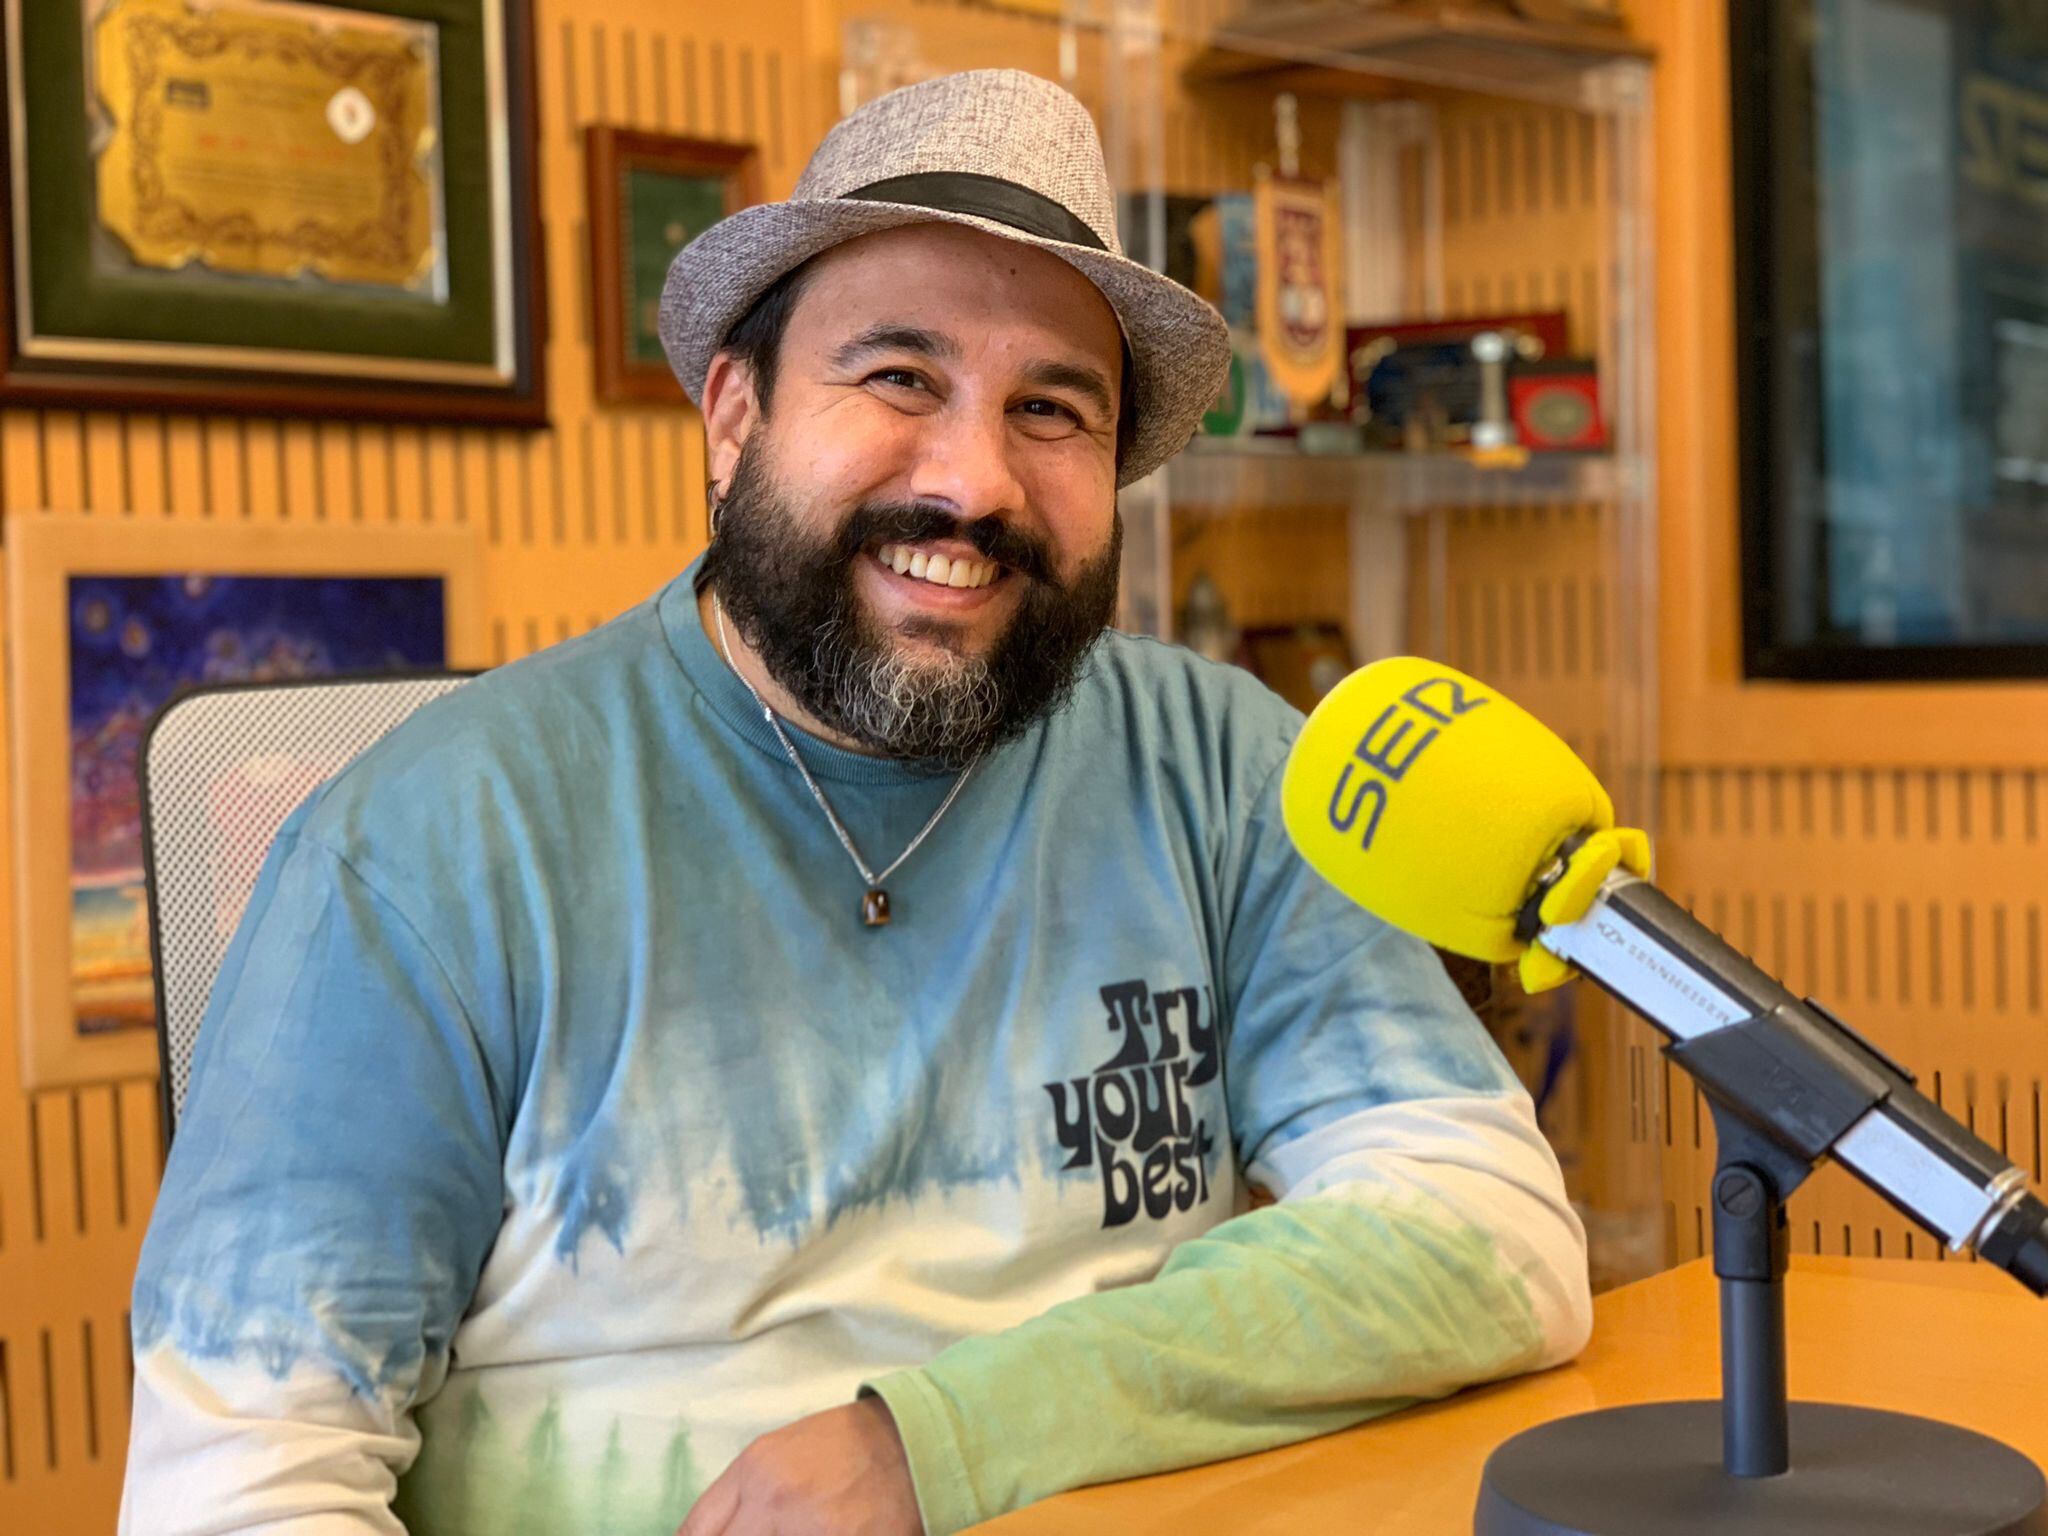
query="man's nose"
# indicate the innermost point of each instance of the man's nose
(964, 461)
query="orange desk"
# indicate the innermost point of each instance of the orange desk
(1951, 1341)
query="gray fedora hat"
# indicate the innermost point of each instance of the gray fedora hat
(998, 150)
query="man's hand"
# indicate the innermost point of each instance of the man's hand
(837, 1473)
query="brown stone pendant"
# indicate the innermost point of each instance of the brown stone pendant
(874, 908)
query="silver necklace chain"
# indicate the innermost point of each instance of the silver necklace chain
(874, 881)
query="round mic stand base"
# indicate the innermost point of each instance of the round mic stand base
(1656, 1470)
(1755, 1463)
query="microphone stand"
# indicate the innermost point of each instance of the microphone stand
(1694, 1468)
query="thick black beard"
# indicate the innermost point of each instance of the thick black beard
(792, 598)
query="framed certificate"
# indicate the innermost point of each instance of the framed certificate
(292, 206)
(651, 194)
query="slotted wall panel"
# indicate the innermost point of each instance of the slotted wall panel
(578, 522)
(1877, 845)
(1910, 901)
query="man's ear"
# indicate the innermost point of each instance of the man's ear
(731, 411)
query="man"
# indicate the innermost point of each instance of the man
(793, 1061)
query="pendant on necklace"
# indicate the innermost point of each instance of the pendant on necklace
(874, 908)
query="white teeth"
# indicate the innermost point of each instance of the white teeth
(940, 570)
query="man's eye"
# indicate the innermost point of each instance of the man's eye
(1052, 410)
(901, 378)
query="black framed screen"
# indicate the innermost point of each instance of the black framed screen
(1891, 234)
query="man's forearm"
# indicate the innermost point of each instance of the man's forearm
(1288, 1322)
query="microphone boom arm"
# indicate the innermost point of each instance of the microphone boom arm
(1802, 1077)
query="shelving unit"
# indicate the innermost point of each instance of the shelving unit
(1401, 67)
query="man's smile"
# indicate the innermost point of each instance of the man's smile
(953, 575)
(938, 568)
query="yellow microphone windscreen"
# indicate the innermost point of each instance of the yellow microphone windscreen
(1434, 802)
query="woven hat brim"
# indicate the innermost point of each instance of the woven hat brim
(1180, 348)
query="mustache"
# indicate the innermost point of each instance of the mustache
(912, 522)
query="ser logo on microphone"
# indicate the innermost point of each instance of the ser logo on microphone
(1379, 761)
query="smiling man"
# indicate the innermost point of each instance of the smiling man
(797, 1059)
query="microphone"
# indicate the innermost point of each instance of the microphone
(1440, 806)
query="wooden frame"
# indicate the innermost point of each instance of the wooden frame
(609, 156)
(252, 352)
(44, 555)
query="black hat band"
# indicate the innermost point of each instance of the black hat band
(987, 197)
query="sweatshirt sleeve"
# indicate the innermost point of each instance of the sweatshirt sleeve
(330, 1195)
(1421, 1240)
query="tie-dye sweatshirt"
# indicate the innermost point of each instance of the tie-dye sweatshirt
(558, 1126)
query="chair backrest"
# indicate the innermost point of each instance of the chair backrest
(222, 768)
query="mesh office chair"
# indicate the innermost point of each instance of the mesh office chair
(221, 770)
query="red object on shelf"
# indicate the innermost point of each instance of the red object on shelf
(1555, 404)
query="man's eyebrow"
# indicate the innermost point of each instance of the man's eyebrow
(1083, 381)
(896, 338)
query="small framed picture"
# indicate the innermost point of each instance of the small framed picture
(107, 620)
(650, 195)
(1300, 662)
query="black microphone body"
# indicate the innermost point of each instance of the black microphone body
(1802, 1077)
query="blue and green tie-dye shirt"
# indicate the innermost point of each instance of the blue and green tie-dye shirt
(558, 1126)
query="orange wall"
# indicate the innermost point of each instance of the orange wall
(1879, 846)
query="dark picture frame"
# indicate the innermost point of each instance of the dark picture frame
(76, 333)
(1780, 335)
(648, 194)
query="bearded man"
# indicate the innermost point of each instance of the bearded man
(796, 1059)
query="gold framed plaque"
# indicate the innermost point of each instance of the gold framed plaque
(292, 206)
(274, 140)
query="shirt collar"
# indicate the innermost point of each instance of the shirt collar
(721, 689)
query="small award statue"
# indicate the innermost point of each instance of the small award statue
(1494, 429)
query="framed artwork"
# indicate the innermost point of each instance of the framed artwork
(650, 195)
(1892, 337)
(311, 207)
(107, 620)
